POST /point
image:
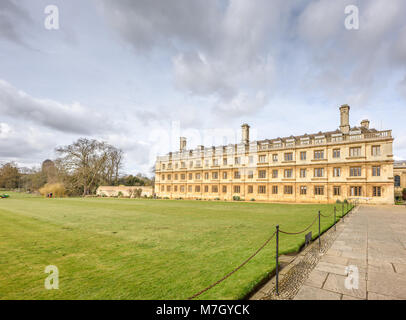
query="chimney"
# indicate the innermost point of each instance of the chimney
(365, 124)
(245, 137)
(182, 146)
(345, 118)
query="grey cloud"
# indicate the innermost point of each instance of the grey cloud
(73, 118)
(13, 21)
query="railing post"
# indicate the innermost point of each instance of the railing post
(277, 260)
(335, 220)
(319, 232)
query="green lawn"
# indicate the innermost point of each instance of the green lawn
(141, 249)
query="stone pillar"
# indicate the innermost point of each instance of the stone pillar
(245, 137)
(345, 118)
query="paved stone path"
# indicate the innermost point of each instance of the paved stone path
(371, 244)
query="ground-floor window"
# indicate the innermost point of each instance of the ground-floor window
(206, 188)
(189, 188)
(303, 190)
(337, 191)
(162, 188)
(288, 190)
(197, 188)
(236, 189)
(182, 188)
(261, 189)
(274, 189)
(376, 191)
(224, 189)
(356, 191)
(214, 189)
(175, 188)
(319, 190)
(250, 189)
(168, 188)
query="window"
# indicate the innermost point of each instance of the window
(182, 176)
(355, 171)
(337, 191)
(337, 172)
(288, 173)
(224, 174)
(198, 163)
(190, 176)
(319, 154)
(289, 156)
(274, 189)
(397, 181)
(262, 159)
(162, 188)
(176, 188)
(288, 190)
(176, 177)
(176, 165)
(168, 188)
(355, 152)
(215, 162)
(303, 155)
(182, 164)
(236, 189)
(376, 150)
(237, 175)
(303, 190)
(191, 164)
(206, 189)
(206, 176)
(356, 191)
(250, 174)
(319, 172)
(169, 165)
(274, 173)
(224, 189)
(376, 171)
(197, 176)
(261, 189)
(189, 188)
(182, 188)
(214, 189)
(274, 157)
(163, 166)
(169, 177)
(163, 177)
(251, 159)
(225, 161)
(206, 163)
(303, 173)
(319, 190)
(336, 153)
(197, 188)
(262, 174)
(250, 189)
(376, 191)
(214, 175)
(237, 160)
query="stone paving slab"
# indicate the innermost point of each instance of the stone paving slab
(311, 293)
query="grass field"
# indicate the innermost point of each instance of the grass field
(141, 249)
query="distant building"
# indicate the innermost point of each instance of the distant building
(399, 174)
(126, 191)
(348, 163)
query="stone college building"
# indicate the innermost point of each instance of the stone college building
(349, 163)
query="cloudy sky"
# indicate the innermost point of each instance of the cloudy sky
(139, 73)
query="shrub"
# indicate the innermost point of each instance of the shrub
(345, 201)
(404, 194)
(252, 199)
(216, 198)
(120, 194)
(57, 189)
(338, 201)
(236, 198)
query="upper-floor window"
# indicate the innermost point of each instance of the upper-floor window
(274, 173)
(206, 175)
(303, 173)
(225, 161)
(169, 177)
(237, 160)
(288, 173)
(215, 162)
(319, 154)
(355, 152)
(250, 174)
(355, 171)
(190, 176)
(376, 171)
(190, 164)
(262, 158)
(237, 175)
(169, 165)
(336, 153)
(163, 177)
(288, 156)
(224, 174)
(337, 172)
(319, 172)
(206, 163)
(274, 157)
(176, 165)
(176, 176)
(376, 150)
(182, 176)
(303, 155)
(262, 174)
(183, 164)
(397, 181)
(197, 176)
(163, 166)
(214, 175)
(198, 163)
